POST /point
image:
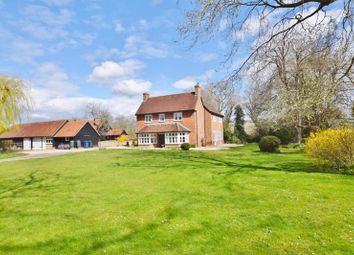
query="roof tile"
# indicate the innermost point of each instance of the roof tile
(162, 128)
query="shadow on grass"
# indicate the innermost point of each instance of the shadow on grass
(294, 165)
(97, 241)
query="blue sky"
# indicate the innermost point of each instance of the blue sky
(109, 52)
(75, 52)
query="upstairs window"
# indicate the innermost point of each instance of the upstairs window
(177, 116)
(161, 117)
(148, 118)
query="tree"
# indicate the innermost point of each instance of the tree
(221, 95)
(264, 20)
(308, 77)
(127, 123)
(239, 130)
(97, 111)
(14, 101)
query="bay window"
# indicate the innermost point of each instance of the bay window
(147, 138)
(176, 138)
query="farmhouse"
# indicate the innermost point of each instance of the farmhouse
(168, 121)
(51, 134)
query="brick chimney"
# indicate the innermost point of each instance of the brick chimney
(146, 96)
(197, 90)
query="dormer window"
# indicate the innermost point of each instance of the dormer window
(177, 116)
(161, 117)
(148, 118)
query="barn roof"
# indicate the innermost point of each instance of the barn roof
(35, 129)
(72, 128)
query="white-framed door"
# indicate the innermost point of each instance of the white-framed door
(27, 144)
(37, 143)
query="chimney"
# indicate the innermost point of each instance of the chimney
(197, 90)
(146, 96)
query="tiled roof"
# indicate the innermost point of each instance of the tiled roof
(71, 128)
(115, 132)
(169, 103)
(36, 129)
(172, 103)
(162, 128)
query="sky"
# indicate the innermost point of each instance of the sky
(75, 52)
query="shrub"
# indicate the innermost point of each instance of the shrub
(122, 138)
(285, 134)
(333, 146)
(6, 145)
(269, 144)
(185, 146)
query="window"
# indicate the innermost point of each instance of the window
(148, 118)
(67, 139)
(177, 116)
(161, 117)
(147, 138)
(49, 140)
(215, 138)
(176, 138)
(215, 119)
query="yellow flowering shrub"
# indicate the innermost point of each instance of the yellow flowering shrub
(122, 138)
(333, 146)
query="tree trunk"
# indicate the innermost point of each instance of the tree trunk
(299, 129)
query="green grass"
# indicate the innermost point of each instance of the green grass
(238, 201)
(4, 155)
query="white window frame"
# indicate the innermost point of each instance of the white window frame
(162, 117)
(177, 116)
(177, 138)
(148, 118)
(49, 140)
(147, 138)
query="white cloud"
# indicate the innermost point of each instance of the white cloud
(25, 52)
(207, 57)
(109, 72)
(189, 81)
(56, 2)
(119, 27)
(156, 2)
(185, 83)
(137, 45)
(131, 87)
(53, 78)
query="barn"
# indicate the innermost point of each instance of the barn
(50, 134)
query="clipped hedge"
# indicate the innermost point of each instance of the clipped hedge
(269, 144)
(332, 146)
(185, 146)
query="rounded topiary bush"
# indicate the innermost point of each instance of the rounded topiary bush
(185, 146)
(269, 144)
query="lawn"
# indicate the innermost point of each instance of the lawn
(238, 201)
(4, 155)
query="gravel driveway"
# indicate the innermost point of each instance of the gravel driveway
(45, 154)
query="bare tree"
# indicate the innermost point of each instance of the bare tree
(307, 76)
(266, 21)
(127, 123)
(222, 96)
(98, 112)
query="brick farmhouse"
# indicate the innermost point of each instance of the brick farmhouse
(168, 121)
